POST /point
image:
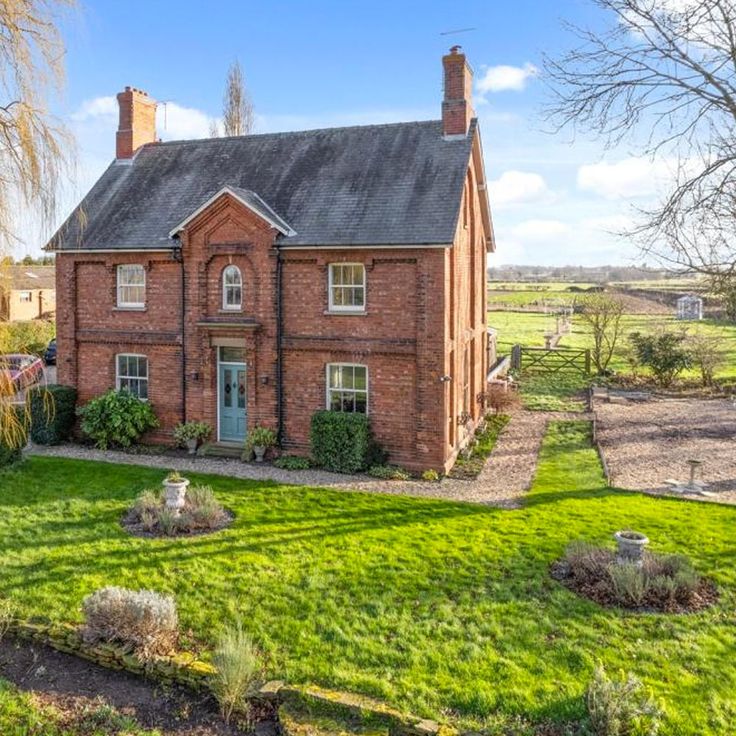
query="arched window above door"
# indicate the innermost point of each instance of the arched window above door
(232, 288)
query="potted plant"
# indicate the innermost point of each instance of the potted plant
(630, 546)
(191, 434)
(175, 486)
(259, 440)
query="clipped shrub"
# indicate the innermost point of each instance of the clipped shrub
(343, 442)
(430, 474)
(9, 455)
(388, 472)
(116, 418)
(52, 413)
(237, 666)
(620, 707)
(142, 621)
(292, 462)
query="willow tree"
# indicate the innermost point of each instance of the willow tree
(237, 106)
(661, 77)
(35, 148)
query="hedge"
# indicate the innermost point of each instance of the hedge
(8, 455)
(52, 414)
(343, 442)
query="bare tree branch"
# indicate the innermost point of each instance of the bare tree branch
(663, 76)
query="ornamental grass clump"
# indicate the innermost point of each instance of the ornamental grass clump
(620, 707)
(142, 621)
(237, 666)
(202, 512)
(660, 583)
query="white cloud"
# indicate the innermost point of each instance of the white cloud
(502, 78)
(517, 187)
(625, 179)
(96, 108)
(540, 230)
(175, 122)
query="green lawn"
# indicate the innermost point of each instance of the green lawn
(444, 609)
(21, 715)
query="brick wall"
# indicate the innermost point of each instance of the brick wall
(424, 320)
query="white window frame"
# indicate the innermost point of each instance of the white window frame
(121, 302)
(25, 296)
(232, 307)
(329, 389)
(118, 375)
(332, 286)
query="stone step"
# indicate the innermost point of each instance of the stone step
(221, 449)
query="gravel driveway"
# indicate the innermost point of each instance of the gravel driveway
(647, 443)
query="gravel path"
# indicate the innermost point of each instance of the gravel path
(504, 480)
(647, 443)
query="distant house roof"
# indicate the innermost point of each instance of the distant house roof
(398, 184)
(27, 278)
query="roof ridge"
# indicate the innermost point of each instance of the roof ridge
(285, 133)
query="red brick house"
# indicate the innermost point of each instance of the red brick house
(256, 279)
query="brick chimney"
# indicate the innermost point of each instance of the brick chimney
(457, 108)
(137, 124)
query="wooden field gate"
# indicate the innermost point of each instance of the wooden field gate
(550, 360)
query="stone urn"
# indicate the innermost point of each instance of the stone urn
(260, 452)
(175, 492)
(630, 547)
(192, 445)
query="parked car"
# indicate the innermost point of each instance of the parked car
(21, 370)
(49, 357)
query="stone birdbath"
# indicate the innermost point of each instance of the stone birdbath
(630, 547)
(175, 492)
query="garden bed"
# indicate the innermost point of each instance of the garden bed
(76, 696)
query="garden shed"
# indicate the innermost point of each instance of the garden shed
(690, 307)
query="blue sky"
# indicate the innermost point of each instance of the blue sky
(325, 63)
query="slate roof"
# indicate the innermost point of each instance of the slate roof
(27, 278)
(398, 184)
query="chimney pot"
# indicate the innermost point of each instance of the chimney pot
(457, 108)
(137, 125)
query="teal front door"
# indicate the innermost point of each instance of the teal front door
(232, 402)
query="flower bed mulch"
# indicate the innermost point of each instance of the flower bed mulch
(131, 523)
(80, 691)
(601, 591)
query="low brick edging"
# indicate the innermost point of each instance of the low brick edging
(183, 668)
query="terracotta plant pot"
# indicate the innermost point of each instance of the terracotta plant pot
(175, 494)
(630, 547)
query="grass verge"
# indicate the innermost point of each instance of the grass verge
(442, 609)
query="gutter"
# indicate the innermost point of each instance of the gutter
(279, 350)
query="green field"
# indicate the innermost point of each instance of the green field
(444, 609)
(528, 328)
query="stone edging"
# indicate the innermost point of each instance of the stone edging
(185, 669)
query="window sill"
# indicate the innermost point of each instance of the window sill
(346, 312)
(230, 311)
(129, 309)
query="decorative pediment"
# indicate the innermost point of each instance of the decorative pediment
(250, 200)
